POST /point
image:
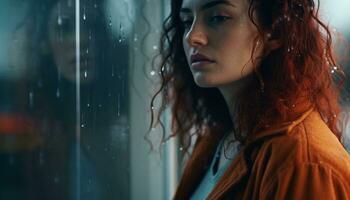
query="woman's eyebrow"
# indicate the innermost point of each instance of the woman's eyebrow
(208, 5)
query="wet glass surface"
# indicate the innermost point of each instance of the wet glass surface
(64, 99)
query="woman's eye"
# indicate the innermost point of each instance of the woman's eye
(219, 18)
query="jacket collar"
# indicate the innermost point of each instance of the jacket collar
(204, 151)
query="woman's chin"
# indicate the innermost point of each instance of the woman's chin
(205, 83)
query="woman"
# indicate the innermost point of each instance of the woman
(258, 84)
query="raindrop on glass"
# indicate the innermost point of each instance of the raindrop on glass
(31, 99)
(84, 16)
(82, 126)
(85, 74)
(332, 71)
(155, 47)
(135, 38)
(118, 106)
(110, 21)
(87, 50)
(90, 34)
(181, 148)
(152, 73)
(59, 20)
(88, 105)
(58, 93)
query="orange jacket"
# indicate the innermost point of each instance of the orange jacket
(301, 159)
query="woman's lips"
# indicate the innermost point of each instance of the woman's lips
(201, 64)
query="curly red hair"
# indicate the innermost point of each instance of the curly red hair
(300, 74)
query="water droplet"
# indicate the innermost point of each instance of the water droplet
(181, 148)
(118, 105)
(84, 16)
(152, 73)
(135, 38)
(59, 20)
(110, 21)
(99, 105)
(85, 73)
(332, 71)
(88, 105)
(58, 93)
(152, 107)
(87, 50)
(335, 68)
(82, 126)
(155, 47)
(31, 99)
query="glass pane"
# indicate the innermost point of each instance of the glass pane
(63, 110)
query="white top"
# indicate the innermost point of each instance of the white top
(211, 178)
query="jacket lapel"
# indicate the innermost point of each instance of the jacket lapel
(239, 167)
(235, 172)
(197, 166)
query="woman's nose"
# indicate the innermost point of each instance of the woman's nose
(196, 35)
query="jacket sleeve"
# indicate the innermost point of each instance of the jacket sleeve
(308, 181)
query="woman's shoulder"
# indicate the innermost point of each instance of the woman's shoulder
(309, 142)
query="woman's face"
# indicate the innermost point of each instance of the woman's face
(218, 40)
(62, 41)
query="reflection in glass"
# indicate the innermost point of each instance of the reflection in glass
(39, 141)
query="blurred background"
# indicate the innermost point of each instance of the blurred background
(76, 81)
